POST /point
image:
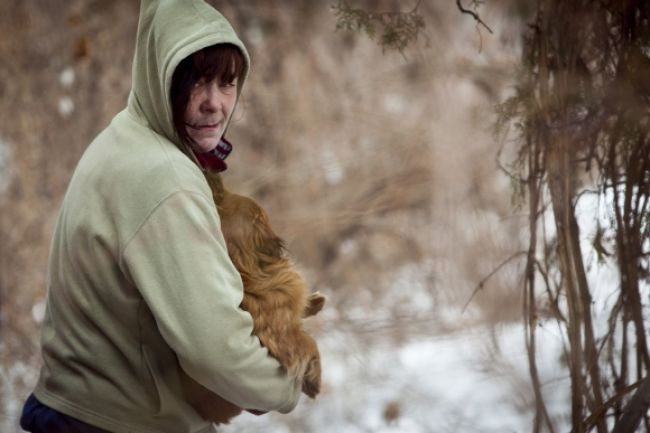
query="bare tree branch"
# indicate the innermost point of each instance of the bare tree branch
(481, 283)
(635, 409)
(474, 15)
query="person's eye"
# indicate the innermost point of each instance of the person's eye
(199, 83)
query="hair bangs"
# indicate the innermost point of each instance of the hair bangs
(223, 62)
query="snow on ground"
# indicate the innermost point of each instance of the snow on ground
(455, 382)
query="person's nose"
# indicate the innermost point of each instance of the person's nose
(212, 100)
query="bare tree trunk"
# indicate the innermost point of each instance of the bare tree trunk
(556, 167)
(560, 166)
(561, 185)
(628, 237)
(591, 351)
(530, 309)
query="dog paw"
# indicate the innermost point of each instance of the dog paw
(311, 389)
(311, 380)
(315, 303)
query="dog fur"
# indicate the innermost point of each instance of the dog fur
(275, 294)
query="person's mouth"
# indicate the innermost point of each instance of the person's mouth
(205, 126)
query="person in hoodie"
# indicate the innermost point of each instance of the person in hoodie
(140, 285)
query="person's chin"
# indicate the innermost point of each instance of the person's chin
(205, 145)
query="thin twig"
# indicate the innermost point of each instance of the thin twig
(474, 15)
(481, 283)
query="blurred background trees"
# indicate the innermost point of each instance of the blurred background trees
(581, 116)
(366, 132)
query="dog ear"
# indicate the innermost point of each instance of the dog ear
(315, 303)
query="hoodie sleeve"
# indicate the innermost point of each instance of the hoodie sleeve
(179, 262)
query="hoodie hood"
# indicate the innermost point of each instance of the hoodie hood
(168, 32)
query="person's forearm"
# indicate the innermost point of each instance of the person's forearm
(179, 261)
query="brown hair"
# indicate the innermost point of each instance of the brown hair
(223, 62)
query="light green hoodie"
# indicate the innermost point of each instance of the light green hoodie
(140, 283)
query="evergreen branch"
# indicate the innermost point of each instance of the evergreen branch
(396, 29)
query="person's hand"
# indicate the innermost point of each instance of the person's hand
(256, 412)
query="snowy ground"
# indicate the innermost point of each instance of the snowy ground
(459, 382)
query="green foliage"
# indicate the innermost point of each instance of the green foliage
(392, 30)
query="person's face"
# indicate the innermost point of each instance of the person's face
(208, 111)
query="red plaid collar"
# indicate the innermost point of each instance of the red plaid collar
(215, 160)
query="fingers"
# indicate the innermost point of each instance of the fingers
(256, 412)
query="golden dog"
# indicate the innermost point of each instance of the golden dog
(276, 296)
